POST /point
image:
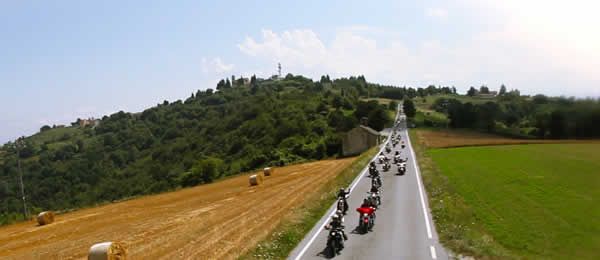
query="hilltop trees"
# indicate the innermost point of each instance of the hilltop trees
(472, 92)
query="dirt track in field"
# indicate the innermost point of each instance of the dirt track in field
(215, 221)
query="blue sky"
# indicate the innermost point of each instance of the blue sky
(61, 60)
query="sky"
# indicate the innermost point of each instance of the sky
(63, 60)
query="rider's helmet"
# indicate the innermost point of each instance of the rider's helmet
(338, 212)
(335, 217)
(365, 201)
(342, 190)
(397, 153)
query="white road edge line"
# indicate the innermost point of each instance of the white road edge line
(433, 255)
(352, 186)
(418, 175)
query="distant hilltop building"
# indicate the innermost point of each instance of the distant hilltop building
(87, 122)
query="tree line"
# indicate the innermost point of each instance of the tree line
(538, 116)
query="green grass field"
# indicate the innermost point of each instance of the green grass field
(536, 201)
(428, 100)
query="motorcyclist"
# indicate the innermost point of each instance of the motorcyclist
(337, 223)
(343, 194)
(381, 157)
(366, 208)
(373, 169)
(397, 158)
(376, 182)
(375, 201)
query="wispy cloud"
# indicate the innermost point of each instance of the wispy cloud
(438, 13)
(216, 65)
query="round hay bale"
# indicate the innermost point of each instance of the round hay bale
(107, 251)
(45, 218)
(268, 171)
(255, 179)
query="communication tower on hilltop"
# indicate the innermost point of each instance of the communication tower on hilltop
(279, 69)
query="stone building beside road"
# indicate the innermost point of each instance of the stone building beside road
(359, 140)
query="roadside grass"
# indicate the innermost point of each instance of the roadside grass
(292, 229)
(455, 221)
(514, 201)
(536, 200)
(443, 138)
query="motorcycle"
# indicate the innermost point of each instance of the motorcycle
(373, 171)
(341, 206)
(376, 198)
(386, 167)
(335, 243)
(366, 223)
(401, 169)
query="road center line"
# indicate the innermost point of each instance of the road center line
(418, 175)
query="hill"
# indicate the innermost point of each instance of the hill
(210, 135)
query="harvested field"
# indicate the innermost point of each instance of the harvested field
(459, 138)
(216, 221)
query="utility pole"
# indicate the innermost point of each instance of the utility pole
(19, 143)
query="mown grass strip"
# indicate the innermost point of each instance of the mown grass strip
(296, 225)
(455, 221)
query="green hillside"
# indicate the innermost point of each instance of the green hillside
(210, 135)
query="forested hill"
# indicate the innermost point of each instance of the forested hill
(239, 127)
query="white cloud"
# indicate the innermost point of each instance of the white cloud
(216, 65)
(501, 56)
(438, 13)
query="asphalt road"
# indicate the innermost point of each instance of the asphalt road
(403, 228)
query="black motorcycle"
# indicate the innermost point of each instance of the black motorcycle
(335, 243)
(376, 200)
(373, 171)
(401, 170)
(386, 167)
(342, 206)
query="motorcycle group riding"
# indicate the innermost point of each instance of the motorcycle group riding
(370, 204)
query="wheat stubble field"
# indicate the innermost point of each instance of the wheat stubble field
(216, 221)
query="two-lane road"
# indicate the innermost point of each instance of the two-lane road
(403, 229)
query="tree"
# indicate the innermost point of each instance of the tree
(378, 118)
(45, 128)
(204, 171)
(558, 124)
(484, 89)
(221, 84)
(472, 92)
(409, 108)
(393, 105)
(502, 90)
